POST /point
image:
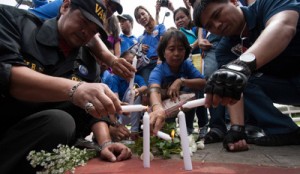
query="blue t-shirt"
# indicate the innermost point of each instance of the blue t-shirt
(120, 85)
(257, 15)
(127, 42)
(163, 76)
(47, 11)
(107, 78)
(152, 39)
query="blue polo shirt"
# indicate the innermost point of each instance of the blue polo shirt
(120, 85)
(127, 42)
(163, 76)
(257, 15)
(152, 39)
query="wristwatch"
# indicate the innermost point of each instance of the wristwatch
(182, 79)
(250, 60)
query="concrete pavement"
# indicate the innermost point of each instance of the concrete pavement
(212, 160)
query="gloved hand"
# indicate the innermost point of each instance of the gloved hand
(230, 80)
(236, 133)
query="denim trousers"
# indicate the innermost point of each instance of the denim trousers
(260, 94)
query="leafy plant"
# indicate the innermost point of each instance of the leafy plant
(159, 147)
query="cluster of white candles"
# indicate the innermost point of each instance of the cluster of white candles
(183, 131)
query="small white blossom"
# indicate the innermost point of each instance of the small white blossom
(62, 159)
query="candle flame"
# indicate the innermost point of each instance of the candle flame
(172, 134)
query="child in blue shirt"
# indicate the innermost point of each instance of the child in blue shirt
(120, 88)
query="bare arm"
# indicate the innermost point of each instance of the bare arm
(111, 152)
(267, 47)
(158, 115)
(120, 66)
(29, 85)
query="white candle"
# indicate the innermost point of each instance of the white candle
(132, 96)
(184, 142)
(146, 140)
(194, 103)
(133, 108)
(161, 135)
(134, 62)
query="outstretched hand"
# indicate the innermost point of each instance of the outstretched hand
(225, 86)
(115, 152)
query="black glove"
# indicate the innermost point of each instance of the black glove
(235, 134)
(230, 80)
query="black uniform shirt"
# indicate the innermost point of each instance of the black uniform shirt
(27, 41)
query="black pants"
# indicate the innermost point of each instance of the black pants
(42, 130)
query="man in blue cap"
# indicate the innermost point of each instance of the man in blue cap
(48, 76)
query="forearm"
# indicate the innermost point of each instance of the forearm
(29, 85)
(142, 90)
(155, 98)
(101, 132)
(100, 50)
(197, 83)
(236, 112)
(281, 25)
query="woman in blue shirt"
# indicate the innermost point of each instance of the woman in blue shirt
(174, 74)
(150, 38)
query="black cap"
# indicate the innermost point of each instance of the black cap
(125, 17)
(119, 6)
(93, 10)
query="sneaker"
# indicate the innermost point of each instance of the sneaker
(292, 138)
(253, 133)
(202, 132)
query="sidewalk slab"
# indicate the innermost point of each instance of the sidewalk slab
(214, 159)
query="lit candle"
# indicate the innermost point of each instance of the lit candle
(161, 135)
(134, 62)
(184, 142)
(194, 103)
(146, 140)
(133, 108)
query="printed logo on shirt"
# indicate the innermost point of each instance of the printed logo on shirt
(155, 33)
(34, 66)
(83, 70)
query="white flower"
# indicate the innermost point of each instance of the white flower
(62, 159)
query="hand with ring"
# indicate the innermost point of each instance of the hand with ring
(88, 106)
(97, 100)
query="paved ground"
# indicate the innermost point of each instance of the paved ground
(212, 160)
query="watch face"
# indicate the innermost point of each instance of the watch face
(247, 57)
(235, 67)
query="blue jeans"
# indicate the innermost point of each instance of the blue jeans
(260, 94)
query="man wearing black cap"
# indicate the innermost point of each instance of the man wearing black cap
(127, 38)
(47, 77)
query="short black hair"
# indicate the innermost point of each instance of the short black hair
(199, 6)
(127, 52)
(178, 36)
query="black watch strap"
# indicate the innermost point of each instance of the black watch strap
(238, 128)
